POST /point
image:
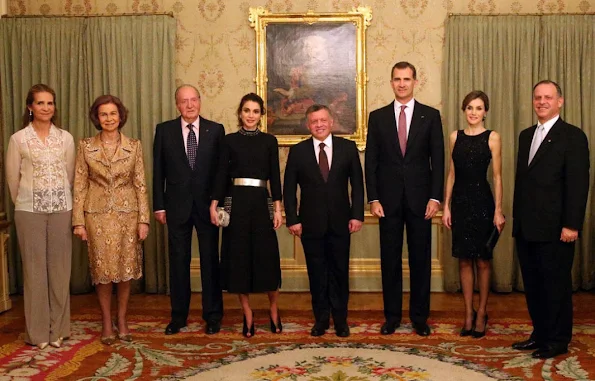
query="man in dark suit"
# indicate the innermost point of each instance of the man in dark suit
(323, 167)
(405, 179)
(550, 195)
(185, 158)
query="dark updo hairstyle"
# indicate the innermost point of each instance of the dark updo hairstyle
(476, 94)
(39, 88)
(254, 98)
(103, 100)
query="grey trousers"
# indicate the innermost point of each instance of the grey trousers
(45, 241)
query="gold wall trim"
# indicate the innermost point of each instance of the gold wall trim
(170, 14)
(361, 17)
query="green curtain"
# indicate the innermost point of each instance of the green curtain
(505, 56)
(131, 57)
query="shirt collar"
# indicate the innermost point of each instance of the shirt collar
(194, 124)
(547, 126)
(409, 105)
(327, 142)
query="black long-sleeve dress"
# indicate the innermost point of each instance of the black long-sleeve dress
(250, 250)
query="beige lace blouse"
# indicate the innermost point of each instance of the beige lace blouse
(40, 175)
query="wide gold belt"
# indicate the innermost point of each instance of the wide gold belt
(250, 182)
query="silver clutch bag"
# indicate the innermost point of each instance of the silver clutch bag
(224, 213)
(223, 217)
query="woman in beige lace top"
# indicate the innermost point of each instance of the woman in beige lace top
(111, 210)
(39, 172)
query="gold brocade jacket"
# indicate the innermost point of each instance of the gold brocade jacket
(104, 186)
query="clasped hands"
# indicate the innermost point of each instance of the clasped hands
(277, 216)
(431, 209)
(81, 232)
(354, 226)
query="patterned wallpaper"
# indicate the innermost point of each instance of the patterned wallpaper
(216, 46)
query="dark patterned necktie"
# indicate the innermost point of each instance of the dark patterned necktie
(191, 146)
(323, 162)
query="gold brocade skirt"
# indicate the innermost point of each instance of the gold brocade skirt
(115, 253)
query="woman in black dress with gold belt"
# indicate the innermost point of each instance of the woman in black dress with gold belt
(250, 252)
(475, 211)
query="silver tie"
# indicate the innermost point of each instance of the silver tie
(537, 139)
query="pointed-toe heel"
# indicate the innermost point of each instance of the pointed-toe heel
(127, 337)
(248, 332)
(276, 328)
(108, 340)
(478, 334)
(57, 343)
(469, 332)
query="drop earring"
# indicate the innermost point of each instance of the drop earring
(30, 115)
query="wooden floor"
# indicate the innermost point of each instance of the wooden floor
(499, 305)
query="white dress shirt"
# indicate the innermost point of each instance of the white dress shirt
(547, 126)
(408, 113)
(328, 142)
(186, 131)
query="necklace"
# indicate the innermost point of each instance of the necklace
(243, 131)
(108, 142)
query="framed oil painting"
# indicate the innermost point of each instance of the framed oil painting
(303, 59)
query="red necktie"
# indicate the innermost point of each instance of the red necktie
(402, 130)
(323, 162)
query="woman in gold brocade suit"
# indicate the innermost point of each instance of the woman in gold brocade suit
(111, 210)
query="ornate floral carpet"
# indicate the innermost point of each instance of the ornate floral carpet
(294, 355)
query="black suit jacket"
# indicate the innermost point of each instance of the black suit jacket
(551, 192)
(176, 187)
(419, 174)
(324, 206)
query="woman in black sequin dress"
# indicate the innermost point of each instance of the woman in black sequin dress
(474, 211)
(249, 251)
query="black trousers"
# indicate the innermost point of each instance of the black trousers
(419, 242)
(180, 242)
(547, 276)
(327, 259)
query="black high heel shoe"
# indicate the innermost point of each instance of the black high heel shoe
(248, 332)
(469, 332)
(478, 334)
(278, 327)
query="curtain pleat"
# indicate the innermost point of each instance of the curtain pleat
(131, 57)
(505, 56)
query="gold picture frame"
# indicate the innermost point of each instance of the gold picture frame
(302, 59)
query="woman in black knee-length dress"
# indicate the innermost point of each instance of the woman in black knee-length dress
(250, 252)
(470, 209)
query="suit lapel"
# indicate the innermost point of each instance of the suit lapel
(178, 140)
(204, 132)
(547, 142)
(391, 127)
(95, 151)
(417, 121)
(524, 148)
(337, 155)
(312, 162)
(125, 149)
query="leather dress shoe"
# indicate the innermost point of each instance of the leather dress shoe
(388, 328)
(213, 326)
(422, 329)
(342, 330)
(549, 352)
(525, 345)
(319, 329)
(174, 327)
